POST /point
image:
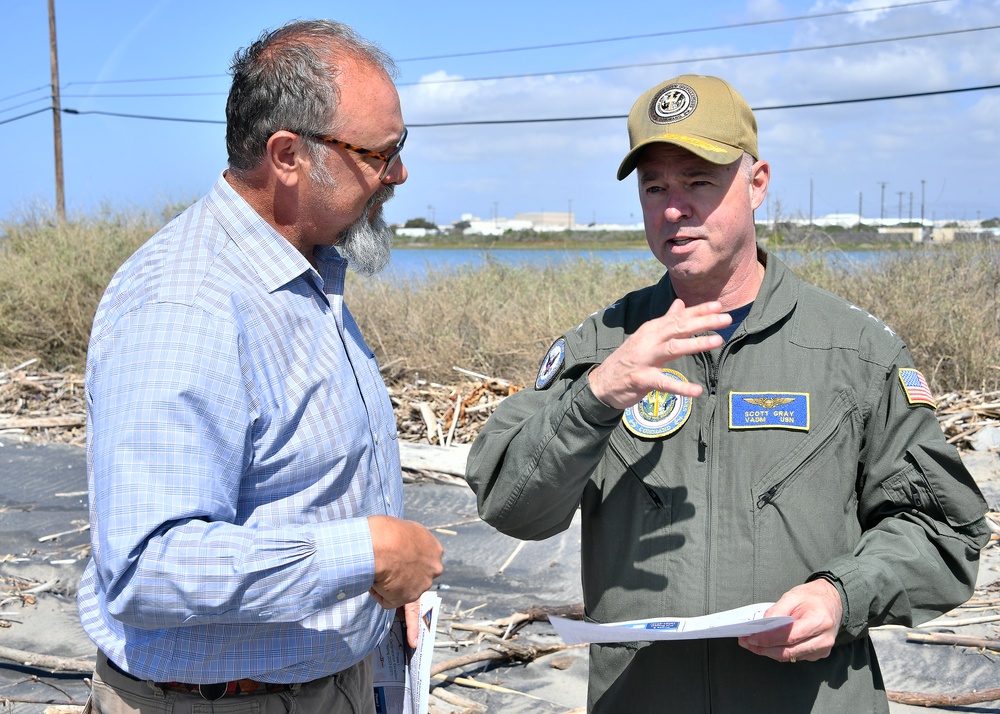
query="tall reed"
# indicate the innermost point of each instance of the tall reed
(498, 320)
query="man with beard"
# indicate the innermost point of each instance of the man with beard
(245, 490)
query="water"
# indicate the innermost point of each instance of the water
(414, 263)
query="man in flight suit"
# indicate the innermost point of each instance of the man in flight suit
(732, 435)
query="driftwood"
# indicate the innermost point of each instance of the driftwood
(927, 699)
(50, 406)
(457, 700)
(427, 457)
(501, 651)
(48, 662)
(942, 638)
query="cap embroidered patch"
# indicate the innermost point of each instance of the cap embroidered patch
(769, 410)
(659, 414)
(915, 386)
(675, 102)
(551, 364)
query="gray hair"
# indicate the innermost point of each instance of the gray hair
(287, 80)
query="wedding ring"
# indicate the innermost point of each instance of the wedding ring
(791, 659)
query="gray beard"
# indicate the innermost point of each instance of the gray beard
(367, 243)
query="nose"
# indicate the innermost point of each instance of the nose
(677, 208)
(397, 174)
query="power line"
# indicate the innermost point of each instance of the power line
(140, 96)
(427, 125)
(26, 91)
(710, 28)
(802, 105)
(29, 114)
(144, 116)
(24, 104)
(742, 55)
(148, 79)
(666, 33)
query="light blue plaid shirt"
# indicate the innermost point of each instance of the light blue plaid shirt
(239, 434)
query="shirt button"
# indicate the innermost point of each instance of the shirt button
(376, 438)
(341, 595)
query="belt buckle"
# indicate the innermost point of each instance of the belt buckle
(212, 692)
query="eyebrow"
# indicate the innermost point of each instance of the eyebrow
(693, 172)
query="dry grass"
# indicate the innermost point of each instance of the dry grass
(943, 302)
(52, 278)
(497, 320)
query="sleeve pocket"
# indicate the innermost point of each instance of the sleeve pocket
(945, 480)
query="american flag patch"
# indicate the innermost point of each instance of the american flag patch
(915, 386)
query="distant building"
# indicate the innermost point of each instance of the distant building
(548, 221)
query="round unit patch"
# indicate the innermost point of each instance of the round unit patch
(673, 103)
(551, 364)
(659, 414)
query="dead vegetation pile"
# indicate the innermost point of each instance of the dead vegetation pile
(49, 407)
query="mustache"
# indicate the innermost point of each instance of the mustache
(382, 195)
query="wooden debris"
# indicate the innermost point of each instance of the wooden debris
(50, 406)
(47, 662)
(944, 638)
(517, 549)
(921, 699)
(457, 700)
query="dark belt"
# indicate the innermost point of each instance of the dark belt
(211, 692)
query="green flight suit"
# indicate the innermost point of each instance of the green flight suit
(856, 484)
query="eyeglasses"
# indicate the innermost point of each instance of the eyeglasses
(390, 159)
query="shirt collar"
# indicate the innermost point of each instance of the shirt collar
(276, 261)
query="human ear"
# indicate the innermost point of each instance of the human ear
(760, 177)
(285, 156)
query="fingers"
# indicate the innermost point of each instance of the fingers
(411, 616)
(407, 559)
(817, 610)
(634, 369)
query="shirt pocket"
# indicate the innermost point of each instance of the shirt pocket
(654, 498)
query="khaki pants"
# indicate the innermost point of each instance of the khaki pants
(347, 692)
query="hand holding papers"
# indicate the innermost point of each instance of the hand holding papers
(747, 620)
(401, 675)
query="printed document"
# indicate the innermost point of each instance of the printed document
(402, 675)
(747, 620)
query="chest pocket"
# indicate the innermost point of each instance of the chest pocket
(634, 477)
(806, 507)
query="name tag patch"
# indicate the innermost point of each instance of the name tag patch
(769, 410)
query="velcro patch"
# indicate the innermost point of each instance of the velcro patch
(551, 364)
(915, 387)
(769, 410)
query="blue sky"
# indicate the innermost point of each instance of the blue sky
(946, 145)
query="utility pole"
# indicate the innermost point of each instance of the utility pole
(900, 214)
(569, 216)
(881, 213)
(56, 115)
(860, 199)
(911, 207)
(810, 200)
(922, 182)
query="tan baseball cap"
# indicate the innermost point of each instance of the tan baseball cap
(702, 114)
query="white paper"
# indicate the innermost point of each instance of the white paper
(401, 675)
(747, 620)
